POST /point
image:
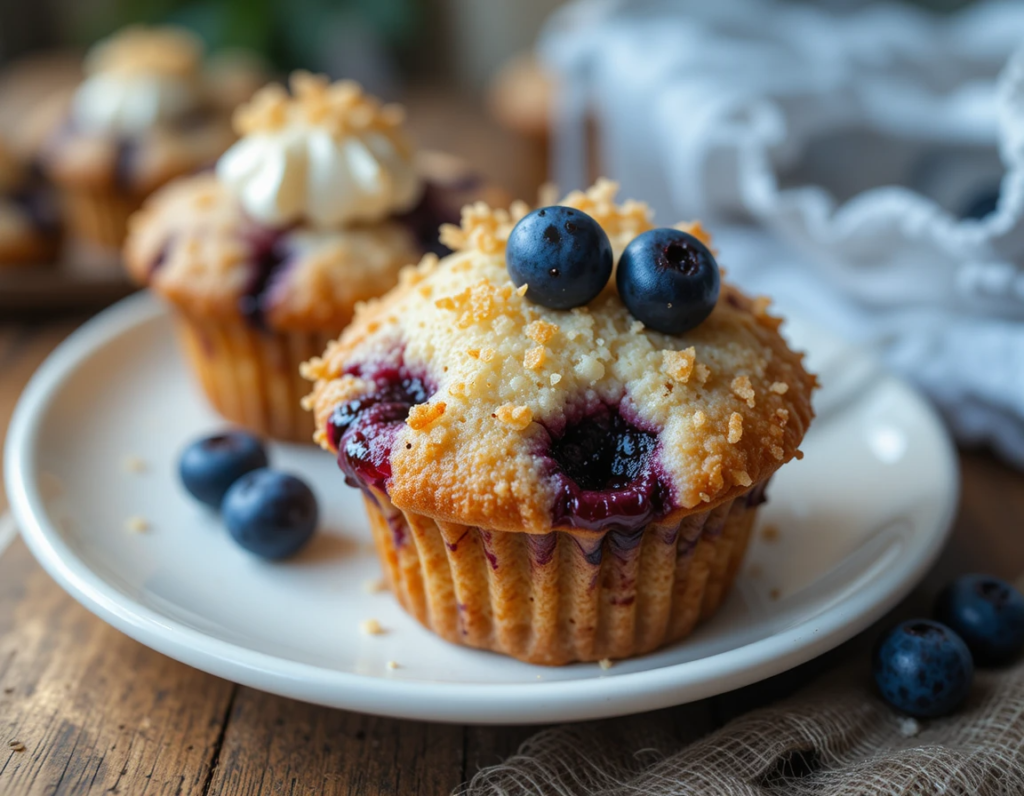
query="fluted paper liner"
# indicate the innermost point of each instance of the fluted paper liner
(566, 595)
(251, 376)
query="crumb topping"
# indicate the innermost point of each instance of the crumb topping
(512, 373)
(340, 107)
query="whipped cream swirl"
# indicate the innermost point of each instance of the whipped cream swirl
(121, 103)
(302, 172)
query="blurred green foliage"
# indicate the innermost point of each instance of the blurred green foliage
(286, 32)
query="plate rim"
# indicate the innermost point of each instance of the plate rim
(480, 703)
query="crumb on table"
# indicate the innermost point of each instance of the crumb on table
(909, 727)
(17, 746)
(770, 533)
(775, 594)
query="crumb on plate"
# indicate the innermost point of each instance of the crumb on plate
(371, 627)
(375, 585)
(605, 663)
(135, 464)
(136, 524)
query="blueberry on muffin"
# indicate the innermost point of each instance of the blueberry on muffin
(315, 209)
(559, 484)
(140, 118)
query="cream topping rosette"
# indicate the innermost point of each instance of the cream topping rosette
(327, 155)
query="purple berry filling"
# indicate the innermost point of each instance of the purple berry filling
(270, 258)
(363, 431)
(124, 163)
(607, 475)
(440, 204)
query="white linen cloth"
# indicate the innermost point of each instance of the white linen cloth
(856, 139)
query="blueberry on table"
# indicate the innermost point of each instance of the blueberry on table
(269, 513)
(209, 466)
(988, 613)
(923, 668)
(561, 254)
(669, 280)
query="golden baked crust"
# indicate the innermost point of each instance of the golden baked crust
(163, 50)
(192, 244)
(730, 402)
(90, 160)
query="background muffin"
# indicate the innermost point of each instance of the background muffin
(28, 229)
(557, 485)
(140, 118)
(314, 210)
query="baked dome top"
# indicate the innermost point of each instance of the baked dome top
(193, 244)
(468, 403)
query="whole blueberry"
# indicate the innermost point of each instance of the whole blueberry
(923, 668)
(562, 254)
(269, 513)
(209, 466)
(988, 613)
(668, 279)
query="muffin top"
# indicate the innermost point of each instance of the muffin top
(140, 117)
(195, 245)
(327, 156)
(466, 402)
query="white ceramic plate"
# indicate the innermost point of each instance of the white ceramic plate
(860, 519)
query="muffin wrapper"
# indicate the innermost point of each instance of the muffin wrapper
(99, 216)
(562, 596)
(252, 376)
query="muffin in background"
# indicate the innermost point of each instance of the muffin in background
(28, 225)
(557, 485)
(140, 118)
(315, 209)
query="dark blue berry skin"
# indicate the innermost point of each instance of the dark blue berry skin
(669, 280)
(562, 254)
(923, 668)
(209, 466)
(270, 514)
(988, 613)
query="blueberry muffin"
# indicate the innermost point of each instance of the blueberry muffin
(140, 118)
(558, 464)
(315, 209)
(28, 228)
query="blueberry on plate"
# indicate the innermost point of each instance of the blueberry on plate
(209, 466)
(669, 280)
(923, 668)
(988, 613)
(562, 254)
(269, 513)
